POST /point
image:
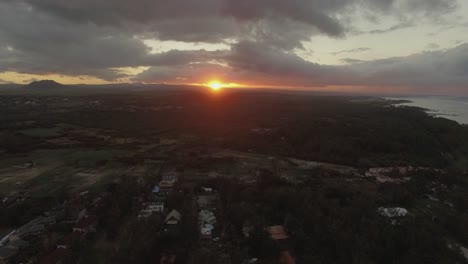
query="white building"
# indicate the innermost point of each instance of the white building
(173, 218)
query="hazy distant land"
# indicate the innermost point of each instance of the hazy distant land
(453, 108)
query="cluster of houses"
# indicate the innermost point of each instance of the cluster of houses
(84, 221)
(206, 216)
(156, 205)
(168, 182)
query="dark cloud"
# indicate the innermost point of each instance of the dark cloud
(38, 43)
(351, 60)
(181, 57)
(356, 50)
(399, 26)
(270, 66)
(94, 37)
(215, 20)
(428, 69)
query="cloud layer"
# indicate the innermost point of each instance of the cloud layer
(97, 37)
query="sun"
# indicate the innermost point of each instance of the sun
(215, 85)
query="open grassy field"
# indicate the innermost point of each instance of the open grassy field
(57, 170)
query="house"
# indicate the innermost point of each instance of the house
(206, 220)
(173, 218)
(206, 189)
(206, 217)
(168, 181)
(206, 231)
(166, 186)
(56, 257)
(277, 232)
(171, 177)
(392, 212)
(155, 189)
(155, 207)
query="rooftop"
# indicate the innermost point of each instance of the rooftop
(277, 232)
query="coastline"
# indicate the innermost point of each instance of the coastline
(454, 109)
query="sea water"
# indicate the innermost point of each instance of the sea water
(454, 108)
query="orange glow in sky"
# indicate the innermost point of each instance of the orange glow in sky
(215, 85)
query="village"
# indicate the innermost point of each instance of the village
(169, 177)
(187, 208)
(77, 220)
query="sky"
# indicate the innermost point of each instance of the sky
(378, 46)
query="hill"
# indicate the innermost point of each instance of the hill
(44, 84)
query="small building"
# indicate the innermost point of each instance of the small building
(277, 232)
(155, 189)
(207, 189)
(206, 231)
(155, 207)
(170, 177)
(206, 221)
(168, 181)
(173, 218)
(206, 217)
(166, 186)
(392, 212)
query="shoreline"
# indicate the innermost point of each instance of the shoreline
(442, 107)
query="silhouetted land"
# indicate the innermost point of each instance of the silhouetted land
(302, 160)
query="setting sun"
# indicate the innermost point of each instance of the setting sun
(215, 85)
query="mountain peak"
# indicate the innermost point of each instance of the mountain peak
(43, 84)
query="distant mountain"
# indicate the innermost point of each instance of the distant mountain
(44, 84)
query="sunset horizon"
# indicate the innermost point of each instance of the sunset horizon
(233, 131)
(369, 45)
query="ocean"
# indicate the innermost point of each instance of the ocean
(453, 108)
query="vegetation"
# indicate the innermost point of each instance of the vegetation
(57, 146)
(332, 221)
